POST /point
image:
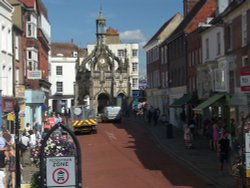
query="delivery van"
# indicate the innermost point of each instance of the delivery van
(112, 113)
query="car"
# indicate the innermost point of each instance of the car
(112, 113)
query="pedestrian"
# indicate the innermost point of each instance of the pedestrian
(3, 179)
(7, 136)
(224, 151)
(24, 144)
(12, 165)
(216, 135)
(188, 139)
(192, 126)
(32, 140)
(156, 115)
(2, 151)
(150, 114)
(58, 119)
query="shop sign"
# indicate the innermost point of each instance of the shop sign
(35, 74)
(8, 105)
(20, 91)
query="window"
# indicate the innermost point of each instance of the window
(207, 48)
(244, 61)
(31, 26)
(134, 52)
(229, 37)
(59, 70)
(134, 82)
(134, 67)
(17, 47)
(244, 29)
(59, 87)
(32, 59)
(3, 36)
(120, 53)
(218, 36)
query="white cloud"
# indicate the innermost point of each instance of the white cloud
(133, 36)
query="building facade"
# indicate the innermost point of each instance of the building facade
(103, 78)
(6, 61)
(62, 76)
(157, 65)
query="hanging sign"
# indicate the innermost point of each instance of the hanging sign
(61, 171)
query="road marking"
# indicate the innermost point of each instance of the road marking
(111, 136)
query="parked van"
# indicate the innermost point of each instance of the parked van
(112, 113)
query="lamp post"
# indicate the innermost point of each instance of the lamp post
(17, 126)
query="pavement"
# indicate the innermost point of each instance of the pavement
(201, 160)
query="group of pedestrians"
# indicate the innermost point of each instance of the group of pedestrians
(7, 160)
(153, 114)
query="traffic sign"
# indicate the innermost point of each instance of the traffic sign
(60, 171)
(245, 78)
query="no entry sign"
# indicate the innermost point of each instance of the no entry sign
(60, 171)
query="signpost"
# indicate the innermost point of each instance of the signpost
(61, 171)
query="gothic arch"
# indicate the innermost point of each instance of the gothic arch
(103, 100)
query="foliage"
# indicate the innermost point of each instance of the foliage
(56, 146)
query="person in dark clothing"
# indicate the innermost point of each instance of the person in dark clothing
(224, 150)
(156, 115)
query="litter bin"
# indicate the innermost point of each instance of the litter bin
(169, 130)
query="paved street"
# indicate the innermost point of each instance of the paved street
(201, 160)
(136, 154)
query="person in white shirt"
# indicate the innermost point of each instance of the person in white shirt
(24, 143)
(32, 141)
(3, 181)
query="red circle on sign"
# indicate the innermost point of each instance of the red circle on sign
(64, 180)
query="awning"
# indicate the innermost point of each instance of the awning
(181, 101)
(198, 109)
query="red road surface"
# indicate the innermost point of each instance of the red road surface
(124, 156)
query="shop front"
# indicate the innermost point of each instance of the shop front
(34, 107)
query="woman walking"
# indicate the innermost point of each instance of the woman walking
(188, 138)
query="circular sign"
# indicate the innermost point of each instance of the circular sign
(60, 176)
(77, 111)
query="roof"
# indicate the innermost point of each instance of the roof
(28, 3)
(162, 28)
(191, 21)
(66, 49)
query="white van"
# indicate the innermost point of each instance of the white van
(112, 113)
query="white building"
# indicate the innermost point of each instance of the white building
(122, 50)
(62, 75)
(6, 52)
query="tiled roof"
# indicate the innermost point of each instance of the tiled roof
(28, 3)
(156, 35)
(67, 49)
(191, 21)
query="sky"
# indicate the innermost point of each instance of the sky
(136, 20)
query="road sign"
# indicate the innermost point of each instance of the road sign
(61, 171)
(245, 78)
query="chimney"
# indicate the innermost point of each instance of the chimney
(188, 6)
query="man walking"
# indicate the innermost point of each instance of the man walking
(224, 151)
